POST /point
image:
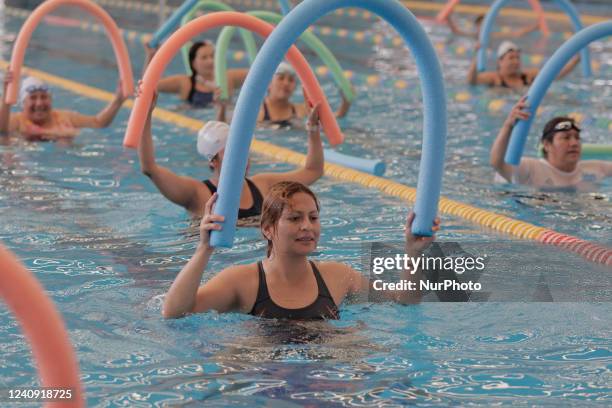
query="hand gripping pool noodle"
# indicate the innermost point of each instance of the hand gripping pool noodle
(171, 23)
(284, 6)
(196, 27)
(223, 42)
(371, 166)
(487, 27)
(23, 39)
(247, 37)
(545, 77)
(535, 5)
(42, 325)
(260, 74)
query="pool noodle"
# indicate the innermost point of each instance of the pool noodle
(544, 79)
(43, 327)
(171, 23)
(223, 42)
(488, 23)
(23, 39)
(284, 6)
(262, 70)
(247, 37)
(195, 27)
(371, 166)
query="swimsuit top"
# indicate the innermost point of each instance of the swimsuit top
(523, 78)
(197, 98)
(257, 199)
(323, 307)
(281, 123)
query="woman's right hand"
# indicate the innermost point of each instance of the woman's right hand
(209, 222)
(518, 112)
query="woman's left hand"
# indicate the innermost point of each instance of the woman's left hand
(415, 245)
(313, 118)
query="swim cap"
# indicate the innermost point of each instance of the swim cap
(30, 85)
(212, 138)
(284, 68)
(506, 47)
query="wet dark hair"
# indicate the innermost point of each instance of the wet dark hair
(479, 18)
(275, 202)
(548, 133)
(193, 50)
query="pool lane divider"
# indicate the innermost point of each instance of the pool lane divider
(496, 222)
(366, 15)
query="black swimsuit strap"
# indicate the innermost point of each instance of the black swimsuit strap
(266, 112)
(192, 88)
(323, 291)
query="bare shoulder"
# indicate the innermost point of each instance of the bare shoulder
(245, 280)
(339, 278)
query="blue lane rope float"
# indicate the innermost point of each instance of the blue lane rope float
(489, 20)
(171, 23)
(271, 54)
(544, 79)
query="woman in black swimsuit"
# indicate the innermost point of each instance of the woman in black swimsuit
(510, 73)
(277, 110)
(198, 89)
(285, 284)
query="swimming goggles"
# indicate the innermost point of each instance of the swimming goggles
(561, 126)
(35, 88)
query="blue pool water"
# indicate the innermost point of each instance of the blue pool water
(106, 246)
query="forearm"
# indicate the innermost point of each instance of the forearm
(473, 73)
(106, 116)
(181, 297)
(343, 109)
(314, 159)
(569, 67)
(146, 151)
(498, 150)
(5, 118)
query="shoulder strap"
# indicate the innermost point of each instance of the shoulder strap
(257, 197)
(262, 290)
(210, 186)
(266, 112)
(323, 291)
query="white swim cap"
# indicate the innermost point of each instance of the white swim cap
(30, 85)
(212, 138)
(505, 47)
(284, 68)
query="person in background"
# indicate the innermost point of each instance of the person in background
(561, 147)
(509, 73)
(38, 121)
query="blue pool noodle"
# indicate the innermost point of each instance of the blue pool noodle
(487, 27)
(171, 23)
(254, 89)
(371, 166)
(285, 6)
(542, 82)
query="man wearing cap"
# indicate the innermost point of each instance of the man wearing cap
(192, 194)
(509, 73)
(39, 121)
(561, 148)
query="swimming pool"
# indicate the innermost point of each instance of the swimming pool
(106, 246)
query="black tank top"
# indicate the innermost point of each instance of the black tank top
(281, 123)
(255, 193)
(523, 78)
(323, 307)
(197, 98)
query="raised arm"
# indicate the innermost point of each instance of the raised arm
(235, 78)
(414, 247)
(313, 168)
(105, 117)
(455, 29)
(185, 295)
(180, 190)
(498, 150)
(479, 78)
(569, 66)
(5, 110)
(344, 107)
